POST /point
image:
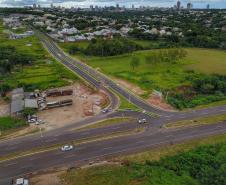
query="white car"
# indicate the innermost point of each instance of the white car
(143, 120)
(105, 110)
(31, 121)
(66, 148)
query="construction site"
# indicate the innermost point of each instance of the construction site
(59, 106)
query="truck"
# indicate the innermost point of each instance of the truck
(22, 181)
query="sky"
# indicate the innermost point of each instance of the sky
(127, 3)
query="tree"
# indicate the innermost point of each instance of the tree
(28, 111)
(135, 62)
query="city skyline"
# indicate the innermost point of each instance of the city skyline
(128, 4)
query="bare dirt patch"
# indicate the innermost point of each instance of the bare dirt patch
(86, 102)
(159, 102)
(130, 86)
(153, 99)
(4, 108)
(47, 179)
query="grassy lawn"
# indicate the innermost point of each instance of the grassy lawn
(199, 121)
(7, 123)
(102, 175)
(159, 76)
(45, 72)
(67, 45)
(207, 61)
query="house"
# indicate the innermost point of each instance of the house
(22, 35)
(154, 31)
(30, 103)
(69, 31)
(223, 28)
(17, 102)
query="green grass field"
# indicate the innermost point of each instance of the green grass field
(159, 76)
(67, 45)
(7, 123)
(44, 73)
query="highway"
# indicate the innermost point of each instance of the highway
(153, 136)
(85, 153)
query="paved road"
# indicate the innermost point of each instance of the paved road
(8, 147)
(102, 149)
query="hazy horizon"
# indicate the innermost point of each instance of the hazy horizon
(102, 3)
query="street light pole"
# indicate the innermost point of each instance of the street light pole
(40, 129)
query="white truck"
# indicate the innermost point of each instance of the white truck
(22, 181)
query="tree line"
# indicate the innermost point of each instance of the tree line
(171, 55)
(107, 47)
(9, 59)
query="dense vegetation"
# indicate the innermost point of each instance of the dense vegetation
(117, 46)
(202, 166)
(7, 123)
(10, 58)
(203, 89)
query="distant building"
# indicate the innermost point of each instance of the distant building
(189, 6)
(178, 5)
(133, 7)
(208, 6)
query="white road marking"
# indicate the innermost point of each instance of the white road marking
(10, 164)
(69, 156)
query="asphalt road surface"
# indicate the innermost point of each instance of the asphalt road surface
(101, 150)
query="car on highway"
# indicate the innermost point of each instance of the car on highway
(105, 110)
(143, 120)
(66, 148)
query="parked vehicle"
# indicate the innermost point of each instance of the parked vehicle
(22, 181)
(31, 121)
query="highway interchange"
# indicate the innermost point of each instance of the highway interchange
(152, 136)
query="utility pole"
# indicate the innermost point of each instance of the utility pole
(40, 129)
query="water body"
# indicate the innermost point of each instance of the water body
(219, 4)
